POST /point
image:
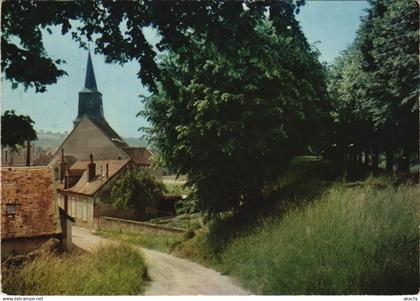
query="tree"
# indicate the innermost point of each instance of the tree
(374, 84)
(230, 111)
(388, 40)
(355, 113)
(16, 130)
(136, 190)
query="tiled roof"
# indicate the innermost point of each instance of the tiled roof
(83, 186)
(29, 192)
(140, 155)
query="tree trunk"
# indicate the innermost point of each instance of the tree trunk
(360, 159)
(405, 161)
(389, 161)
(28, 153)
(366, 162)
(375, 161)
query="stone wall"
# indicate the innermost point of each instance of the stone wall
(14, 246)
(27, 203)
(122, 225)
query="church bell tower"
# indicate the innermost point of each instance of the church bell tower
(90, 99)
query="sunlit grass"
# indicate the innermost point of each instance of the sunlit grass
(353, 240)
(110, 270)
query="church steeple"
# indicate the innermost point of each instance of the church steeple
(90, 81)
(90, 99)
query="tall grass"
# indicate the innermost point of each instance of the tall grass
(110, 270)
(352, 240)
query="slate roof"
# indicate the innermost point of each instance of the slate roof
(140, 155)
(30, 190)
(90, 81)
(85, 187)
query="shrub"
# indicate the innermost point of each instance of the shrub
(136, 190)
(353, 240)
(110, 270)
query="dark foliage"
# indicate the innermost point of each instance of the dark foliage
(16, 130)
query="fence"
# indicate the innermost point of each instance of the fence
(124, 225)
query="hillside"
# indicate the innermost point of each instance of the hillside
(51, 140)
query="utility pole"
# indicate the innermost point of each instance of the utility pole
(28, 153)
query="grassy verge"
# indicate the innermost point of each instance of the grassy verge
(357, 238)
(353, 240)
(110, 270)
(164, 242)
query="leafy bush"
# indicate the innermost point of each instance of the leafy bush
(353, 240)
(110, 270)
(136, 190)
(196, 249)
(188, 205)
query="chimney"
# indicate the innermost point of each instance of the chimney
(62, 167)
(107, 171)
(91, 169)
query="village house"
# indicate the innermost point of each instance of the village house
(86, 186)
(29, 212)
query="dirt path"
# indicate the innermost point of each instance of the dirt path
(170, 275)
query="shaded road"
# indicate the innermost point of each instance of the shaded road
(170, 275)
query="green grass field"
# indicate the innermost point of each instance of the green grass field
(110, 270)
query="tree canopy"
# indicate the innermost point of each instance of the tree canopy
(16, 130)
(230, 111)
(116, 27)
(374, 85)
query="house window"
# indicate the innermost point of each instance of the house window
(11, 209)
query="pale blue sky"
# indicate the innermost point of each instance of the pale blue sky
(332, 23)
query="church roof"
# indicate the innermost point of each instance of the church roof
(90, 81)
(109, 132)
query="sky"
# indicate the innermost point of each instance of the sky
(329, 25)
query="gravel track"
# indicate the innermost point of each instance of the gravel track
(169, 275)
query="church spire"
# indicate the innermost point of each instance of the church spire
(90, 99)
(90, 81)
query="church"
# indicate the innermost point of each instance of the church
(92, 134)
(92, 158)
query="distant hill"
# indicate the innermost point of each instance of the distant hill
(48, 140)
